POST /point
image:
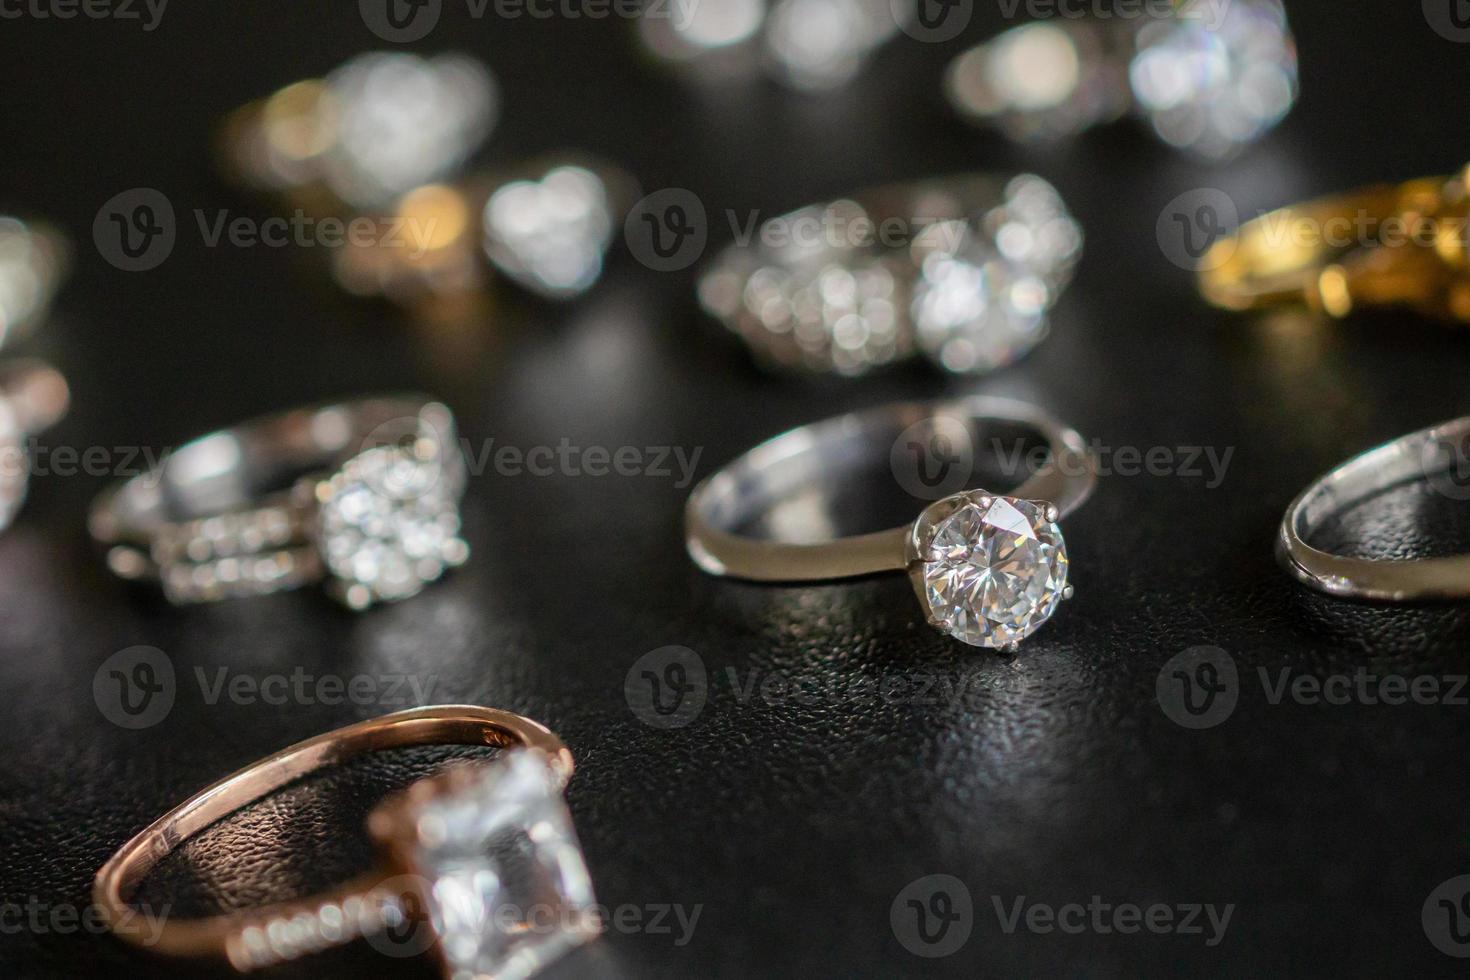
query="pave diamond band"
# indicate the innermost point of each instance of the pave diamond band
(989, 569)
(501, 825)
(364, 494)
(961, 269)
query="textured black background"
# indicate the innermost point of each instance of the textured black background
(1055, 776)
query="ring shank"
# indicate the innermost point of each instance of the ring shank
(1417, 456)
(439, 725)
(799, 458)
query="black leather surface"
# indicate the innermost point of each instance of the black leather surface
(794, 823)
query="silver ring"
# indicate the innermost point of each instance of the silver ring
(989, 569)
(363, 494)
(963, 269)
(1427, 454)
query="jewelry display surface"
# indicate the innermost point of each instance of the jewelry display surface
(833, 754)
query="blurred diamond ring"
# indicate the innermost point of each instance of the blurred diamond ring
(364, 494)
(962, 268)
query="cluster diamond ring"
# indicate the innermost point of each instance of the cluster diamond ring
(363, 494)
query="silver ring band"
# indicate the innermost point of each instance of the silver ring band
(1425, 454)
(799, 459)
(363, 493)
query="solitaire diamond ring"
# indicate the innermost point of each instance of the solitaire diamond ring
(989, 568)
(479, 864)
(364, 494)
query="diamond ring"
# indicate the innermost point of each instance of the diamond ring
(545, 225)
(479, 863)
(378, 126)
(989, 568)
(1209, 78)
(962, 269)
(363, 494)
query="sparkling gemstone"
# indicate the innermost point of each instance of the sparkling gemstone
(399, 121)
(822, 44)
(994, 571)
(1044, 80)
(388, 525)
(982, 293)
(550, 234)
(1212, 87)
(508, 890)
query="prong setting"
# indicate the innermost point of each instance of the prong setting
(988, 569)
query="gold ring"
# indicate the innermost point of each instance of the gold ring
(427, 837)
(1384, 245)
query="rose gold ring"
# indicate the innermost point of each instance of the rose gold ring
(423, 836)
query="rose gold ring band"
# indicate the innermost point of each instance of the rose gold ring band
(258, 937)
